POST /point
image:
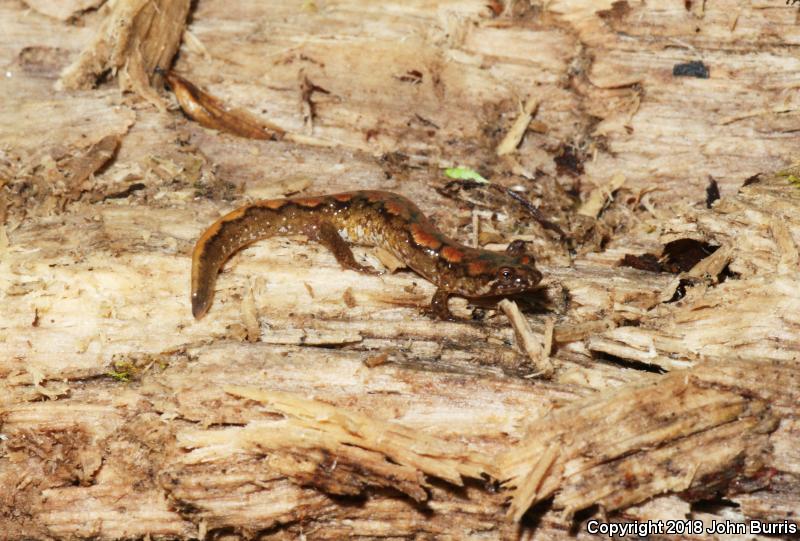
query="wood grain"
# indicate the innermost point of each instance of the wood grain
(671, 395)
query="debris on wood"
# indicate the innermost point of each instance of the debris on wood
(600, 197)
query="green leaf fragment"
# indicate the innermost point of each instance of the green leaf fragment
(793, 179)
(123, 376)
(464, 173)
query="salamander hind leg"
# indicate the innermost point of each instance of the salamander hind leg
(327, 235)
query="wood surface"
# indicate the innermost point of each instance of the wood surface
(317, 403)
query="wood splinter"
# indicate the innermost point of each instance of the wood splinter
(538, 349)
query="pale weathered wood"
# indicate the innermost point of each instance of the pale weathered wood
(123, 417)
(63, 10)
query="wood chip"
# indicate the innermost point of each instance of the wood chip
(710, 267)
(388, 259)
(348, 298)
(789, 261)
(376, 360)
(195, 45)
(549, 327)
(578, 331)
(530, 484)
(250, 315)
(518, 129)
(527, 340)
(600, 196)
(3, 240)
(82, 164)
(476, 229)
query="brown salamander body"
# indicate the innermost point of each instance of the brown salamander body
(364, 217)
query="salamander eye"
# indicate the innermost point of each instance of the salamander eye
(506, 273)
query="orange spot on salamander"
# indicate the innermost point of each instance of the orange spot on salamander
(343, 197)
(397, 208)
(476, 268)
(273, 204)
(524, 260)
(451, 254)
(424, 238)
(309, 202)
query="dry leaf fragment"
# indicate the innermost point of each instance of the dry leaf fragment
(212, 113)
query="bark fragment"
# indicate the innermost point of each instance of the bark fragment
(137, 38)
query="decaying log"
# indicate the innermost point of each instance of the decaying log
(654, 377)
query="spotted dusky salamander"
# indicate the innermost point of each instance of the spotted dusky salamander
(365, 217)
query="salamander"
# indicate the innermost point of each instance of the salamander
(365, 217)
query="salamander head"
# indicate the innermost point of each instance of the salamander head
(510, 276)
(491, 274)
(514, 278)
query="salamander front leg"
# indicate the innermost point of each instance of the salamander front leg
(438, 307)
(327, 235)
(516, 248)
